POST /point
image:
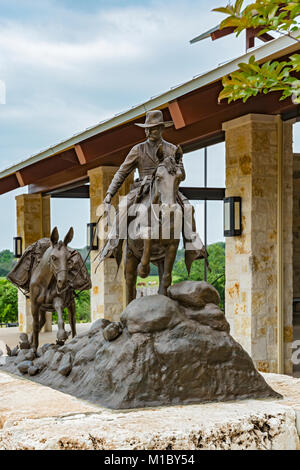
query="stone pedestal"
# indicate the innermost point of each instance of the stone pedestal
(108, 295)
(33, 223)
(255, 144)
(59, 421)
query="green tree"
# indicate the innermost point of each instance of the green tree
(8, 302)
(6, 262)
(216, 277)
(83, 307)
(253, 78)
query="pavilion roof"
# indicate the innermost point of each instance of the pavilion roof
(192, 105)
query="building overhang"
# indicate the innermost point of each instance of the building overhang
(193, 106)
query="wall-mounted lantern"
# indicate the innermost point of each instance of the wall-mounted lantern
(92, 237)
(232, 216)
(18, 247)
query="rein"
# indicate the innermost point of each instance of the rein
(150, 192)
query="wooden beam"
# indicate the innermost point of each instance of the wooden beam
(252, 33)
(81, 192)
(265, 37)
(203, 194)
(220, 33)
(250, 38)
(80, 154)
(20, 179)
(176, 115)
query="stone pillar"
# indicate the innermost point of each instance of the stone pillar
(33, 223)
(253, 146)
(296, 227)
(108, 294)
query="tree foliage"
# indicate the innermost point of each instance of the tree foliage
(8, 302)
(6, 262)
(252, 78)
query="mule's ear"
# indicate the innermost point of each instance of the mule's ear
(160, 153)
(69, 236)
(54, 236)
(178, 154)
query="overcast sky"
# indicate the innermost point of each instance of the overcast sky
(68, 64)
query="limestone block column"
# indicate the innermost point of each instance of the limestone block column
(296, 226)
(258, 299)
(108, 294)
(33, 223)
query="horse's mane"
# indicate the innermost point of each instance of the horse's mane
(59, 245)
(169, 163)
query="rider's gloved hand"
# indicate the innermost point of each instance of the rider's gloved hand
(107, 199)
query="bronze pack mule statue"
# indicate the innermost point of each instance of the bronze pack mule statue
(50, 271)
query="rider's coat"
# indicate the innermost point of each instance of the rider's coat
(142, 157)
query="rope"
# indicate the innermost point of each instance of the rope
(219, 277)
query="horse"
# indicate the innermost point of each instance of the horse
(49, 289)
(161, 250)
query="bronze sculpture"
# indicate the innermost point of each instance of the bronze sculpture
(161, 170)
(166, 349)
(49, 271)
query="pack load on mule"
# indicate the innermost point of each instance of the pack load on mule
(49, 272)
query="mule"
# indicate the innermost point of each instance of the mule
(160, 250)
(49, 289)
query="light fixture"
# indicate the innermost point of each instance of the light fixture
(18, 247)
(232, 216)
(92, 237)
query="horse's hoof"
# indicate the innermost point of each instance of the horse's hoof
(61, 338)
(143, 271)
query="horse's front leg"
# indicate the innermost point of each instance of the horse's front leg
(35, 311)
(35, 295)
(72, 317)
(166, 279)
(131, 264)
(59, 308)
(144, 266)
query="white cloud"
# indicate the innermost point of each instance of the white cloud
(66, 70)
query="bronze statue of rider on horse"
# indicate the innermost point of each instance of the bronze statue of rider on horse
(161, 170)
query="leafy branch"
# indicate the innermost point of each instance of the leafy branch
(252, 78)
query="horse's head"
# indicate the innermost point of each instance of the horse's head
(58, 259)
(167, 178)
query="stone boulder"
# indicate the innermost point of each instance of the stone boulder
(150, 314)
(194, 294)
(164, 351)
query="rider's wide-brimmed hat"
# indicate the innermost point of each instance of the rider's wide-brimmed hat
(155, 118)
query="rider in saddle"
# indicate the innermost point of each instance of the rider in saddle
(143, 156)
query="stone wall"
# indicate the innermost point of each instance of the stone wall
(252, 147)
(296, 226)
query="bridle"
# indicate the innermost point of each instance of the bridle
(151, 187)
(55, 274)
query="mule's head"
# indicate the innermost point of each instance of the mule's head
(167, 178)
(58, 259)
